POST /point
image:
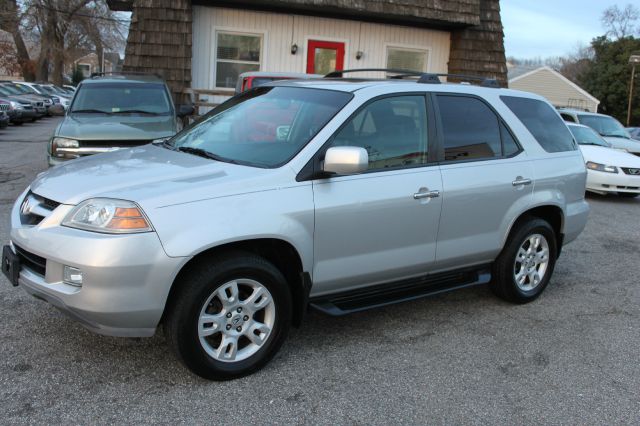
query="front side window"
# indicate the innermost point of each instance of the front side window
(543, 123)
(605, 125)
(472, 131)
(392, 130)
(122, 98)
(264, 127)
(236, 54)
(407, 59)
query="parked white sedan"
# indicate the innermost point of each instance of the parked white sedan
(609, 170)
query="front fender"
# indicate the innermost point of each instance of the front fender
(283, 213)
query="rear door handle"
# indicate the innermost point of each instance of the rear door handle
(426, 194)
(521, 181)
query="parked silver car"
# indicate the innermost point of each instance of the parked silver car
(342, 195)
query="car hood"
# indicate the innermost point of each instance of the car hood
(116, 127)
(150, 175)
(609, 156)
(623, 143)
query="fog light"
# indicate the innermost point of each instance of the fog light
(72, 276)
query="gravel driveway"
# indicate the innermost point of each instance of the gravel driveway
(572, 356)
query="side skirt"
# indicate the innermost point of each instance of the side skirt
(400, 291)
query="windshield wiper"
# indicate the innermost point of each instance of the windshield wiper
(135, 111)
(93, 111)
(206, 154)
(611, 135)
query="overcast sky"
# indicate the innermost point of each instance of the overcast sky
(546, 28)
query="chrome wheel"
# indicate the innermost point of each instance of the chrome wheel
(531, 263)
(236, 320)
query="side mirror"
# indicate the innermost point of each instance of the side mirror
(184, 110)
(346, 160)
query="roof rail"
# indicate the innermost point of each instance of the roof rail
(400, 72)
(484, 81)
(99, 74)
(423, 77)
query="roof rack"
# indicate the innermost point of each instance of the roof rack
(423, 77)
(100, 74)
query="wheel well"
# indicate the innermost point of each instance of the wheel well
(552, 214)
(278, 252)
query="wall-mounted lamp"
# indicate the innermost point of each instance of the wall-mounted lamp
(359, 54)
(294, 49)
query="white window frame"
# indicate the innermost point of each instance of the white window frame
(231, 61)
(87, 65)
(406, 48)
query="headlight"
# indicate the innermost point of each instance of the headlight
(15, 105)
(57, 143)
(601, 167)
(109, 216)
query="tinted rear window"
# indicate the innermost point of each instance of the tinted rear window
(543, 123)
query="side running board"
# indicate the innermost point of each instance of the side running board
(400, 291)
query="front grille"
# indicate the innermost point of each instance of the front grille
(35, 208)
(56, 100)
(27, 107)
(631, 188)
(630, 171)
(39, 104)
(32, 261)
(112, 143)
(4, 107)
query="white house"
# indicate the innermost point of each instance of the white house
(558, 89)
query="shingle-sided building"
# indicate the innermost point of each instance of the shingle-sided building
(559, 90)
(205, 44)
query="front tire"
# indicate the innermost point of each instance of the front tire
(525, 265)
(230, 316)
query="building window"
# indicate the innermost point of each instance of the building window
(85, 69)
(236, 53)
(407, 59)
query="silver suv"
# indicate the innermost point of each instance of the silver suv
(341, 195)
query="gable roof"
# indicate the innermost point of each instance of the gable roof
(557, 75)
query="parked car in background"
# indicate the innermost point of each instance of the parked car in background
(4, 116)
(53, 91)
(115, 111)
(634, 132)
(249, 80)
(609, 170)
(27, 92)
(37, 105)
(70, 89)
(31, 88)
(20, 110)
(608, 127)
(225, 233)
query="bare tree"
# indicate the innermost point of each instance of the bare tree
(10, 18)
(621, 23)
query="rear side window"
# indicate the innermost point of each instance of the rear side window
(543, 123)
(472, 131)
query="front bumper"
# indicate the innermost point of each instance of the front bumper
(603, 182)
(126, 278)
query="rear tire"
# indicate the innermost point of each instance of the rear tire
(230, 316)
(525, 265)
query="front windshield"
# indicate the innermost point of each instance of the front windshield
(605, 125)
(587, 136)
(264, 127)
(10, 89)
(44, 89)
(4, 91)
(26, 89)
(122, 98)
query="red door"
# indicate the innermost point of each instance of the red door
(324, 57)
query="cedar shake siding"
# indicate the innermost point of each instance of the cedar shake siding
(479, 50)
(161, 33)
(159, 42)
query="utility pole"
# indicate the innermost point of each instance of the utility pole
(633, 60)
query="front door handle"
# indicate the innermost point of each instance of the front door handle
(521, 181)
(426, 194)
